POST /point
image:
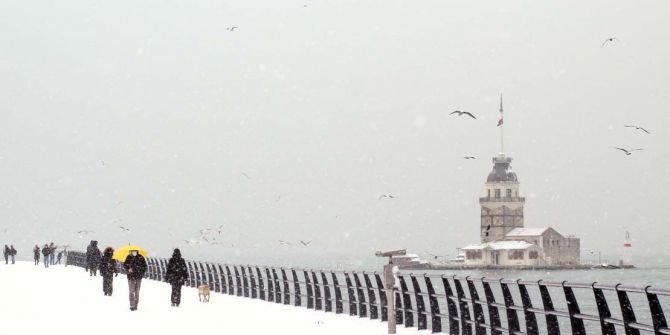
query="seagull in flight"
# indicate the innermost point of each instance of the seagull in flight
(386, 196)
(638, 128)
(81, 232)
(461, 113)
(220, 230)
(470, 157)
(281, 242)
(628, 152)
(205, 231)
(124, 228)
(305, 243)
(232, 28)
(246, 175)
(611, 39)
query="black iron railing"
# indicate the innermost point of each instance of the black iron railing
(452, 304)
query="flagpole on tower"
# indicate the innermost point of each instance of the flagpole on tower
(500, 123)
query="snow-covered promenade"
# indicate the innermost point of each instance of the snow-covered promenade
(65, 300)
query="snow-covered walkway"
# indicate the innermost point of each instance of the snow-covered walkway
(61, 300)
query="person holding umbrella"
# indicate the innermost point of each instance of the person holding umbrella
(176, 274)
(135, 265)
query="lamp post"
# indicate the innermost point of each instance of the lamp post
(391, 283)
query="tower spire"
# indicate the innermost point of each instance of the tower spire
(500, 124)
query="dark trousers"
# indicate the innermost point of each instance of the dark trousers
(37, 260)
(134, 291)
(176, 294)
(107, 286)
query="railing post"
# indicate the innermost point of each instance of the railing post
(360, 296)
(277, 286)
(576, 324)
(383, 302)
(350, 291)
(463, 307)
(435, 319)
(479, 320)
(657, 316)
(406, 303)
(287, 291)
(296, 289)
(252, 281)
(512, 317)
(210, 277)
(271, 290)
(552, 321)
(231, 286)
(339, 307)
(191, 277)
(238, 282)
(245, 282)
(317, 292)
(261, 285)
(310, 290)
(421, 321)
(494, 314)
(627, 311)
(603, 311)
(531, 321)
(327, 299)
(374, 310)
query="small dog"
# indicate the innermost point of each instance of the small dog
(203, 293)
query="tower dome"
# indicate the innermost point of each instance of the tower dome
(502, 171)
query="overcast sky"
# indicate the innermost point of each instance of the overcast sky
(154, 116)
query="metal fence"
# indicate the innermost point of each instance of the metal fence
(441, 303)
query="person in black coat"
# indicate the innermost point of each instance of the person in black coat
(45, 253)
(36, 254)
(93, 256)
(176, 274)
(136, 266)
(108, 270)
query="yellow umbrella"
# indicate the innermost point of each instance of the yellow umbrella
(121, 253)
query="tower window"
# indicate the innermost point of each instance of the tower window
(497, 193)
(488, 193)
(509, 193)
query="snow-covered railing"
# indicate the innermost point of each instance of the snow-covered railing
(464, 305)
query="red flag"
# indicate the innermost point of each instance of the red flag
(500, 122)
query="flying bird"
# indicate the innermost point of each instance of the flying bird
(470, 157)
(220, 230)
(305, 243)
(205, 231)
(638, 128)
(386, 196)
(284, 243)
(84, 232)
(611, 39)
(246, 175)
(461, 113)
(124, 228)
(231, 28)
(435, 256)
(628, 152)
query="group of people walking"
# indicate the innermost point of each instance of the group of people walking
(9, 252)
(135, 266)
(49, 254)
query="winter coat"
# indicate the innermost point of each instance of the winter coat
(12, 252)
(94, 258)
(107, 265)
(138, 265)
(36, 252)
(176, 273)
(7, 252)
(45, 251)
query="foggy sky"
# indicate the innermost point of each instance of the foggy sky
(152, 115)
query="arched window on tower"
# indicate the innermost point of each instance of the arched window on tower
(509, 192)
(497, 191)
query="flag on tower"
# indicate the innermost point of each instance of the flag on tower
(500, 122)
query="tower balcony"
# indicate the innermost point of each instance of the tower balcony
(502, 199)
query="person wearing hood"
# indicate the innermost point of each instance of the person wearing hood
(135, 266)
(176, 274)
(108, 270)
(93, 258)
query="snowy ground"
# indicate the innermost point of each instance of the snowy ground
(62, 300)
